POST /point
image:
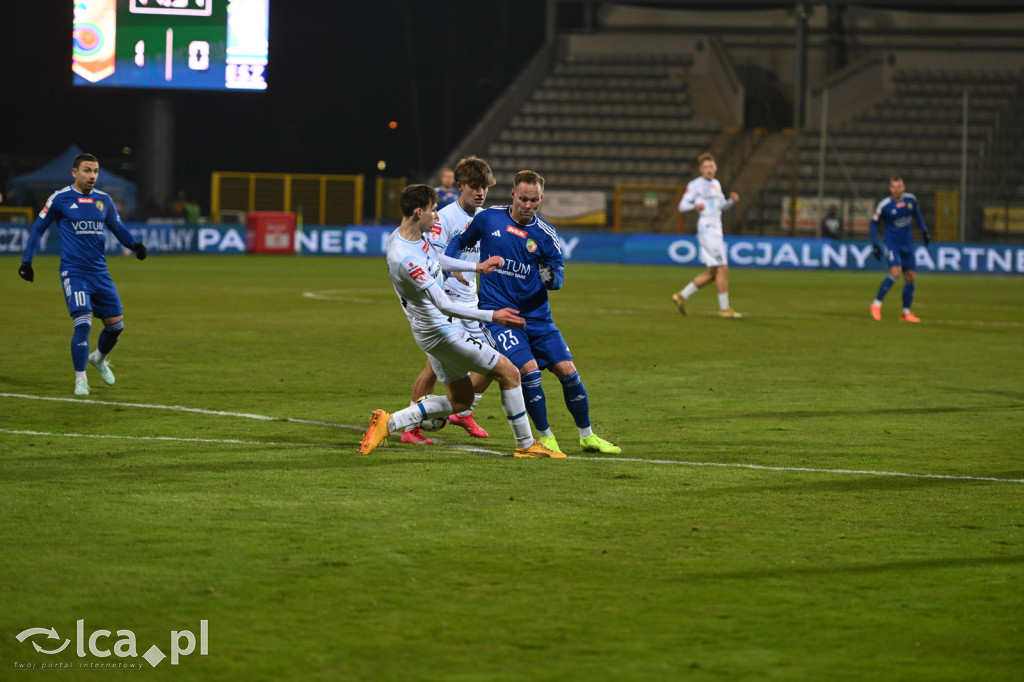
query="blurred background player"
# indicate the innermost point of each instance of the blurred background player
(473, 178)
(415, 270)
(897, 213)
(533, 263)
(83, 211)
(446, 191)
(832, 223)
(704, 194)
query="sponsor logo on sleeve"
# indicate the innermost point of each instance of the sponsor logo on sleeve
(417, 273)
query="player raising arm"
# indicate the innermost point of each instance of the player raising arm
(415, 270)
(83, 212)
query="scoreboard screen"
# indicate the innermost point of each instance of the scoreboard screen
(171, 44)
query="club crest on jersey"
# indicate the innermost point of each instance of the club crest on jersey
(516, 231)
(99, 205)
(85, 200)
(531, 245)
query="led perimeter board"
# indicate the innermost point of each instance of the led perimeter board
(171, 44)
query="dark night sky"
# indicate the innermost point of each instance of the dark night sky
(338, 73)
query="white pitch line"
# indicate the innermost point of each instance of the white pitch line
(179, 408)
(465, 448)
(763, 467)
(229, 441)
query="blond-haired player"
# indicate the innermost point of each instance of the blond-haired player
(704, 194)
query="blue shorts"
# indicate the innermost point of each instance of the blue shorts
(92, 293)
(540, 341)
(901, 256)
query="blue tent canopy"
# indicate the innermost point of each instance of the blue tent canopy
(45, 180)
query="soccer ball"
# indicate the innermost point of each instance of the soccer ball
(433, 423)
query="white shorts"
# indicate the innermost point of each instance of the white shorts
(712, 249)
(460, 354)
(474, 328)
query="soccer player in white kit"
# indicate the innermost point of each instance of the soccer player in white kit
(704, 194)
(473, 178)
(415, 268)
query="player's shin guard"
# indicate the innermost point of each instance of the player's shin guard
(430, 406)
(80, 342)
(108, 337)
(576, 399)
(885, 286)
(908, 295)
(514, 405)
(536, 405)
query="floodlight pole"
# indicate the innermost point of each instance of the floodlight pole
(821, 151)
(963, 170)
(156, 151)
(799, 96)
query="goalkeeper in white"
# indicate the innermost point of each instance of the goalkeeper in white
(415, 270)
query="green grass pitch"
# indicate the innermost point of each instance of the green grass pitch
(803, 494)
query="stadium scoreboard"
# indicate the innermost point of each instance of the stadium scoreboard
(171, 44)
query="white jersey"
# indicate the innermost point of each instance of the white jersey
(413, 270)
(452, 220)
(707, 192)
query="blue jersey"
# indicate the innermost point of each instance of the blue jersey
(82, 238)
(897, 215)
(446, 196)
(516, 284)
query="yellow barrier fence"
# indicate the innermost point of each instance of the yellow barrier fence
(315, 199)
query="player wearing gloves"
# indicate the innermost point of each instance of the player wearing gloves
(897, 213)
(82, 212)
(533, 265)
(415, 270)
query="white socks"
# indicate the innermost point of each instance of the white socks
(435, 406)
(514, 406)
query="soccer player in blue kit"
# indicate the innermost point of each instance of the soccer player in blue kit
(897, 212)
(83, 211)
(533, 264)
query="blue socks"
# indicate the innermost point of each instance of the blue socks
(536, 405)
(576, 399)
(80, 343)
(108, 337)
(908, 294)
(886, 285)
